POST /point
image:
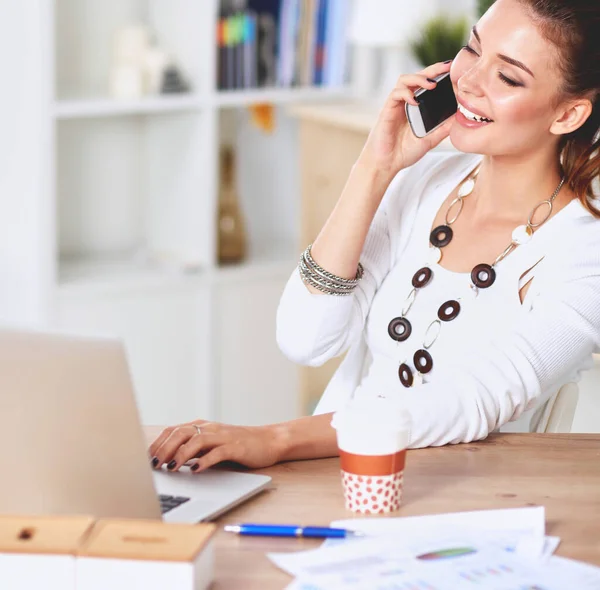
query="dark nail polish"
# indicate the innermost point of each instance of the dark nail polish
(154, 461)
(448, 61)
(172, 464)
(195, 467)
(430, 80)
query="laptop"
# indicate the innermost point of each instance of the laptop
(72, 442)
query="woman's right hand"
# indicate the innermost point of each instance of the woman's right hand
(204, 444)
(391, 145)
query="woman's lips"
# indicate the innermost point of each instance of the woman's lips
(462, 120)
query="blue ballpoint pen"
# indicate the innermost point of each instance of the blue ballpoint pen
(278, 530)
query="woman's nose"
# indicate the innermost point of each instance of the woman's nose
(470, 82)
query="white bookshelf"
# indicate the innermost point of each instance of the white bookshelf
(107, 107)
(237, 98)
(110, 208)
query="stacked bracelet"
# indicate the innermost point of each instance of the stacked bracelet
(314, 275)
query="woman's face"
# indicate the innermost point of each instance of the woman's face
(517, 98)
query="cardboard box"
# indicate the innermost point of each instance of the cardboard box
(146, 555)
(39, 551)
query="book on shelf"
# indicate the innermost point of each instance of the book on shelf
(281, 43)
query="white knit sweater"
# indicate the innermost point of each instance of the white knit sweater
(498, 361)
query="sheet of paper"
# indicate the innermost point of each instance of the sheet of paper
(391, 548)
(529, 520)
(527, 524)
(486, 570)
(386, 552)
(529, 546)
(537, 548)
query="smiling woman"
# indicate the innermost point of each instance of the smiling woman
(463, 287)
(529, 75)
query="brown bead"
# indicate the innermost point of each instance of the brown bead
(449, 310)
(483, 276)
(441, 236)
(423, 361)
(399, 329)
(422, 277)
(405, 374)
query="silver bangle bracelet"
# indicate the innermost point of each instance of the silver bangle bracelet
(319, 269)
(322, 285)
(323, 288)
(317, 277)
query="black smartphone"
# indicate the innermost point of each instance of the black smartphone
(435, 106)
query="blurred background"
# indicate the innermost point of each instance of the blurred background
(164, 162)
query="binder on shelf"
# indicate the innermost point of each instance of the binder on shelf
(320, 41)
(284, 43)
(268, 16)
(250, 51)
(335, 39)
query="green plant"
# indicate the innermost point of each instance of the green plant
(440, 39)
(483, 5)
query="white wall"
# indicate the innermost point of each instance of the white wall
(24, 135)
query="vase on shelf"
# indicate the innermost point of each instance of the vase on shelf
(232, 242)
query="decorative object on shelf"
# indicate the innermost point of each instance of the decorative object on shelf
(441, 39)
(156, 62)
(263, 117)
(141, 67)
(232, 242)
(483, 6)
(131, 44)
(380, 33)
(173, 81)
(127, 72)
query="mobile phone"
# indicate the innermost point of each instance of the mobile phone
(435, 106)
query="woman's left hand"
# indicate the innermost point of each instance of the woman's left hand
(206, 443)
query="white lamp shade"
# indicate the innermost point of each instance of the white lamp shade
(385, 23)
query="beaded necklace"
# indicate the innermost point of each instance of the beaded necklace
(483, 276)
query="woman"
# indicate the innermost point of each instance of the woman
(470, 327)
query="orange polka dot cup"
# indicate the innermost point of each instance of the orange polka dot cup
(372, 437)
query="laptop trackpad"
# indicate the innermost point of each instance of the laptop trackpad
(212, 492)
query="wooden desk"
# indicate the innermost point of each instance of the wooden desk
(558, 471)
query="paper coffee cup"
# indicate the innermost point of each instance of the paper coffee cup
(372, 436)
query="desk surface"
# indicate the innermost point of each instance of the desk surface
(558, 471)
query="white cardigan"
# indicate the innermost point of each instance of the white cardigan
(550, 340)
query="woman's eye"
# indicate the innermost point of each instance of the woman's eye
(508, 81)
(470, 49)
(502, 77)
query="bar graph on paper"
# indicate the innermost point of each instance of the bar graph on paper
(419, 585)
(444, 566)
(500, 576)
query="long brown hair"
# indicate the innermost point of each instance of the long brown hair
(574, 28)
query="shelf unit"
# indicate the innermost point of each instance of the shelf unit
(107, 107)
(114, 232)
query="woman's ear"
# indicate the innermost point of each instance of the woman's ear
(572, 116)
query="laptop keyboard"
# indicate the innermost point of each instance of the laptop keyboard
(169, 502)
